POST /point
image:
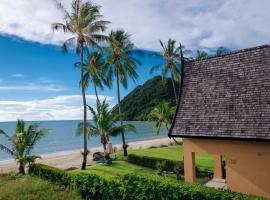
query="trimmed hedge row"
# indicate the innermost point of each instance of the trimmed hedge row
(151, 162)
(132, 186)
(138, 187)
(53, 174)
(93, 186)
(170, 165)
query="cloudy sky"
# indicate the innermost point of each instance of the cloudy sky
(38, 82)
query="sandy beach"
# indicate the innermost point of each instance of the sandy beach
(73, 159)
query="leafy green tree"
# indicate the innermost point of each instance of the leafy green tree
(221, 51)
(200, 54)
(85, 24)
(162, 115)
(104, 124)
(170, 54)
(23, 142)
(121, 65)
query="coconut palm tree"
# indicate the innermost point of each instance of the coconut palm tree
(121, 64)
(95, 71)
(104, 124)
(85, 24)
(221, 50)
(170, 54)
(200, 54)
(23, 142)
(162, 115)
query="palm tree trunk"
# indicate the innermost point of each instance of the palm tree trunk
(96, 92)
(85, 150)
(174, 89)
(119, 112)
(104, 148)
(21, 168)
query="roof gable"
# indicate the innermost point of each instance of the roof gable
(226, 97)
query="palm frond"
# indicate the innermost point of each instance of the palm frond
(6, 149)
(6, 135)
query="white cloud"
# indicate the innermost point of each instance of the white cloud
(57, 108)
(17, 75)
(33, 87)
(232, 23)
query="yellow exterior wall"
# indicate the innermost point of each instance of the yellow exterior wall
(247, 163)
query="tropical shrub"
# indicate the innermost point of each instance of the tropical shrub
(92, 186)
(161, 167)
(151, 188)
(151, 162)
(132, 186)
(52, 174)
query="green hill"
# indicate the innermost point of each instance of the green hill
(138, 103)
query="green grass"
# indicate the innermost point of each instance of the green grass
(14, 187)
(120, 168)
(173, 153)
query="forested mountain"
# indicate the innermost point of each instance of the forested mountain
(138, 103)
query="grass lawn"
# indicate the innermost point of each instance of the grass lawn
(121, 168)
(14, 187)
(172, 153)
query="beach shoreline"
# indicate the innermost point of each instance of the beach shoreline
(72, 158)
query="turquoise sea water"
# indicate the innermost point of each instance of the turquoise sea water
(62, 136)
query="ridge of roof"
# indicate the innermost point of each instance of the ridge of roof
(229, 53)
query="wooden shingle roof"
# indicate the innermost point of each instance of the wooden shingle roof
(226, 96)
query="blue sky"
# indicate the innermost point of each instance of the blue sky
(39, 82)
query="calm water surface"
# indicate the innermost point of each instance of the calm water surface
(62, 136)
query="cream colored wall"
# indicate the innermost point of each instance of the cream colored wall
(247, 162)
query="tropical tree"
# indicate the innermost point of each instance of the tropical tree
(23, 142)
(170, 54)
(104, 124)
(221, 51)
(95, 71)
(200, 54)
(85, 25)
(121, 64)
(162, 115)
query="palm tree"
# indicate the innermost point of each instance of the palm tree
(201, 55)
(121, 65)
(170, 54)
(221, 50)
(23, 142)
(95, 72)
(104, 124)
(85, 24)
(162, 115)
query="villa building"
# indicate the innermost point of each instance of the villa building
(224, 110)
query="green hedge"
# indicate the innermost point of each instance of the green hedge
(170, 165)
(138, 187)
(152, 188)
(52, 174)
(132, 186)
(151, 162)
(92, 186)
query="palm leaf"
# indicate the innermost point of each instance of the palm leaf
(6, 149)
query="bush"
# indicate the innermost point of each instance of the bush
(92, 186)
(131, 186)
(170, 165)
(52, 174)
(161, 167)
(151, 162)
(151, 188)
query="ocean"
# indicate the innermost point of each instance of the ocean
(62, 136)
